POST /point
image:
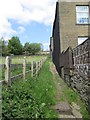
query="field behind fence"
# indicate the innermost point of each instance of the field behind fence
(9, 70)
(18, 59)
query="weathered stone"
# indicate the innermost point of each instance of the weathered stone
(76, 113)
(75, 106)
(68, 117)
(63, 107)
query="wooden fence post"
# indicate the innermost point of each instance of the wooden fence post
(36, 70)
(24, 69)
(8, 70)
(39, 65)
(32, 69)
(43, 60)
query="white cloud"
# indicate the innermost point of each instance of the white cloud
(25, 11)
(45, 46)
(73, 0)
(40, 11)
(21, 29)
(5, 28)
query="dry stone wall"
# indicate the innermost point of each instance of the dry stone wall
(80, 77)
(81, 72)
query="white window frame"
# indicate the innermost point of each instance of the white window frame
(82, 19)
(82, 39)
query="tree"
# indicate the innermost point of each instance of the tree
(14, 46)
(26, 46)
(3, 47)
(34, 48)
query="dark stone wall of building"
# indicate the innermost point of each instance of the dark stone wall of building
(56, 40)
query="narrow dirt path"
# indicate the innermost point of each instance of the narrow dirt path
(62, 107)
(59, 88)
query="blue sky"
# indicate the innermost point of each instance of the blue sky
(30, 20)
(33, 32)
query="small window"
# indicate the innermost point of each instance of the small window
(81, 39)
(82, 14)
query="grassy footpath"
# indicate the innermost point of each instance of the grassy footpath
(30, 99)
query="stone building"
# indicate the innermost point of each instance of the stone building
(51, 46)
(71, 26)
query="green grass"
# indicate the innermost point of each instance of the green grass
(30, 99)
(72, 96)
(19, 59)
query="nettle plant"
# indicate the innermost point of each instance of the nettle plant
(19, 102)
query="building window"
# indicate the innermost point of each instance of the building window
(81, 39)
(82, 14)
